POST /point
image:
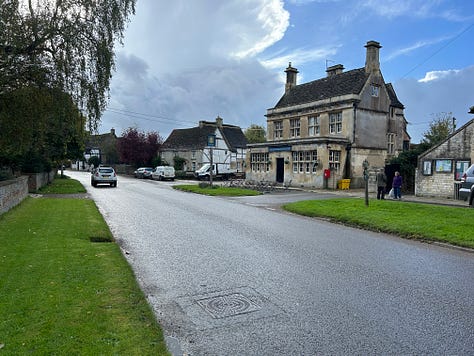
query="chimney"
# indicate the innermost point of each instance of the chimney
(290, 77)
(219, 121)
(112, 131)
(372, 63)
(336, 69)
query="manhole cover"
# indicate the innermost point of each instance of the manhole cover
(223, 306)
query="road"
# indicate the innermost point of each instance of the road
(236, 276)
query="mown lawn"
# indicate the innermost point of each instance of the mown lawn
(60, 293)
(216, 190)
(63, 185)
(411, 220)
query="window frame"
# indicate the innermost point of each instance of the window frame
(304, 161)
(375, 90)
(335, 123)
(314, 125)
(295, 127)
(335, 160)
(278, 129)
(259, 162)
(391, 143)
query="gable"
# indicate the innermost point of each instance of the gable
(350, 82)
(196, 138)
(188, 139)
(234, 137)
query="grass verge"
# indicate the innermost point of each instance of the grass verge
(62, 293)
(410, 220)
(216, 190)
(63, 185)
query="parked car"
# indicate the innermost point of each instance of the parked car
(466, 192)
(163, 172)
(143, 172)
(104, 175)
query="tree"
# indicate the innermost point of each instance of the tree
(255, 134)
(39, 127)
(66, 44)
(138, 148)
(441, 126)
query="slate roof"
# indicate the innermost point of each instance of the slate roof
(196, 138)
(100, 141)
(393, 97)
(350, 82)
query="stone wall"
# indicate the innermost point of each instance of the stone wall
(38, 180)
(457, 147)
(12, 192)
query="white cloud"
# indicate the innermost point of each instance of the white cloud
(193, 34)
(438, 74)
(450, 92)
(186, 61)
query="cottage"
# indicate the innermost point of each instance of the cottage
(191, 145)
(440, 168)
(322, 131)
(103, 146)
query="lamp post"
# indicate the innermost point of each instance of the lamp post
(365, 165)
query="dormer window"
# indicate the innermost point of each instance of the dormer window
(375, 90)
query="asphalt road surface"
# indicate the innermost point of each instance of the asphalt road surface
(241, 277)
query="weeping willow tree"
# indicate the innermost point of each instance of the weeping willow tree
(56, 63)
(64, 43)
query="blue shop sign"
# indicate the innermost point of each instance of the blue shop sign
(279, 149)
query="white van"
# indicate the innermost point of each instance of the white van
(162, 173)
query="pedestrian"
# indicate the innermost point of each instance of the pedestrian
(381, 184)
(397, 186)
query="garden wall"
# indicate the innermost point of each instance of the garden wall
(12, 192)
(38, 180)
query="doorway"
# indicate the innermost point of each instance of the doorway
(280, 170)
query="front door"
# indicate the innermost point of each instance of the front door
(280, 170)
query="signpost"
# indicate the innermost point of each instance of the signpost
(211, 142)
(365, 165)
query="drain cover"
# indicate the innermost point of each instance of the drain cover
(222, 306)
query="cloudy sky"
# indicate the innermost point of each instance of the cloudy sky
(183, 61)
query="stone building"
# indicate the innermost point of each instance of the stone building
(103, 146)
(440, 168)
(330, 126)
(191, 145)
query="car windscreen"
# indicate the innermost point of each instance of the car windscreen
(106, 170)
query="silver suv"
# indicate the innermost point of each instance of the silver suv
(104, 175)
(466, 192)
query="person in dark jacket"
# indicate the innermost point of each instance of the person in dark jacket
(397, 186)
(381, 184)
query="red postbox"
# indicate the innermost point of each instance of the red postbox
(327, 173)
